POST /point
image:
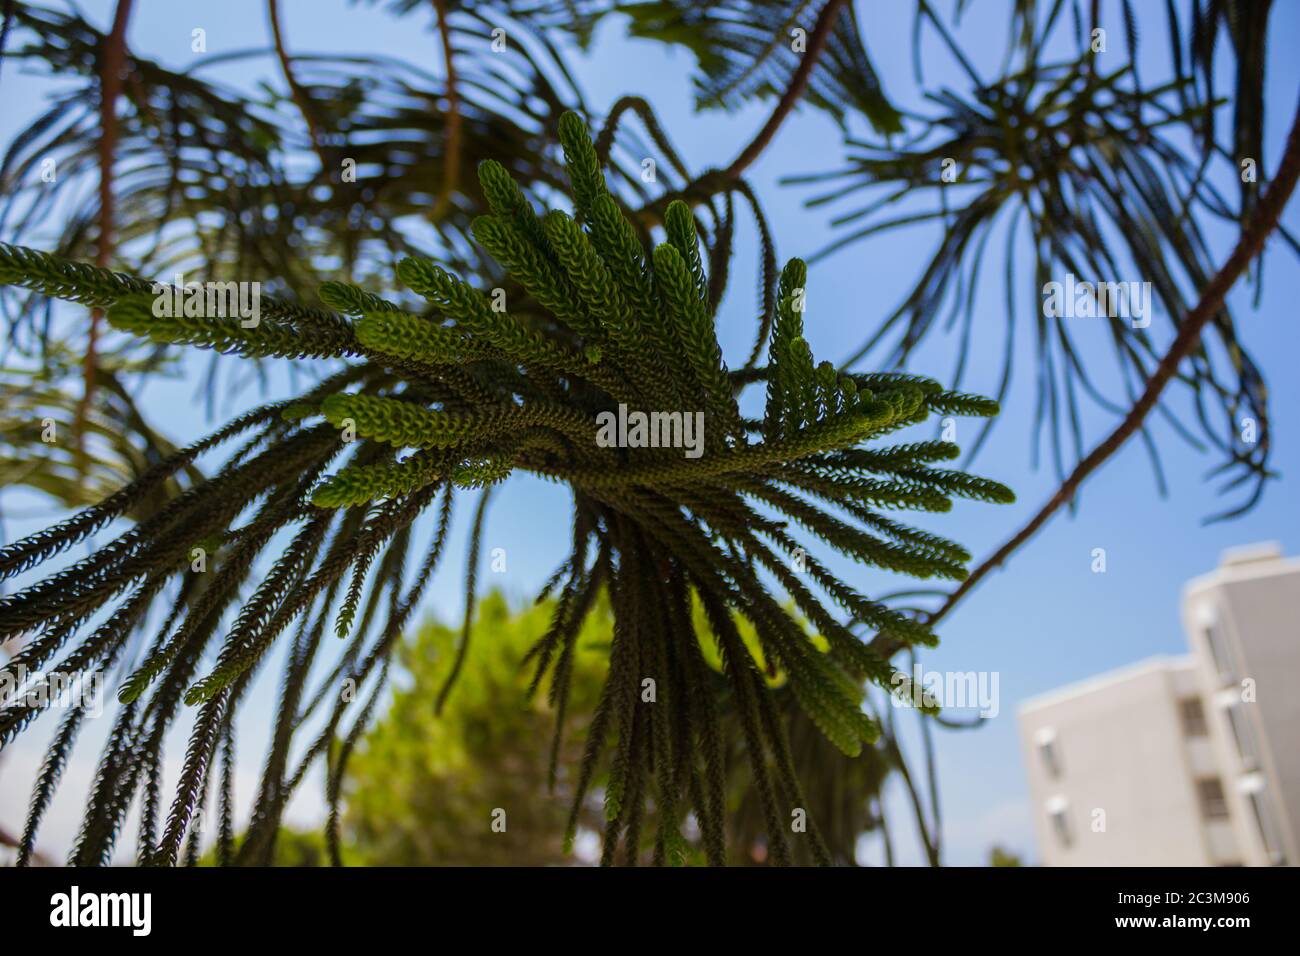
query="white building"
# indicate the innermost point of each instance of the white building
(1187, 761)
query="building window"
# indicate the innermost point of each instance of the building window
(1219, 651)
(1267, 829)
(1048, 753)
(1060, 823)
(1214, 805)
(1242, 735)
(1192, 715)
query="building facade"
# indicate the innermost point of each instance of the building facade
(1186, 761)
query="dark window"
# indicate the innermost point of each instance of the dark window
(1051, 759)
(1193, 717)
(1061, 826)
(1214, 806)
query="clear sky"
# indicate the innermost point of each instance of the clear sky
(1046, 619)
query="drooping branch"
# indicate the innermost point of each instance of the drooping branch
(798, 83)
(923, 827)
(9, 840)
(471, 576)
(713, 181)
(1261, 225)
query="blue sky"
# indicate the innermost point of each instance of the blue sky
(1043, 621)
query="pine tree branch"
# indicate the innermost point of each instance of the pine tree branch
(438, 384)
(798, 83)
(714, 181)
(1262, 223)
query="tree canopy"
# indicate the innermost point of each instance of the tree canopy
(472, 280)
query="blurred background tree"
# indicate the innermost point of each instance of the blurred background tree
(1001, 857)
(422, 788)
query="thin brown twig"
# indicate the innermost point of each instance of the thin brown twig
(1261, 225)
(932, 784)
(299, 93)
(893, 749)
(826, 21)
(452, 121)
(713, 181)
(112, 65)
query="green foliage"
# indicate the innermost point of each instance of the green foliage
(743, 49)
(422, 786)
(654, 529)
(292, 848)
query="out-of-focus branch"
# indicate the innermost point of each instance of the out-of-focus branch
(1259, 227)
(714, 180)
(112, 65)
(932, 783)
(6, 20)
(299, 93)
(884, 830)
(798, 83)
(452, 121)
(923, 827)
